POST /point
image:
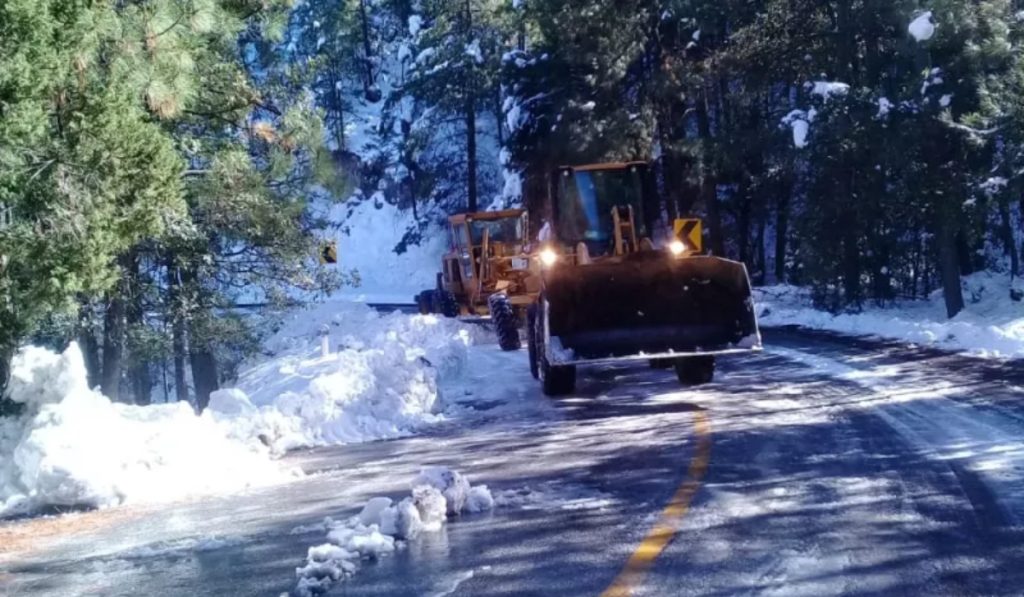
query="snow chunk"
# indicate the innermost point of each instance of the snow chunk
(372, 533)
(800, 123)
(401, 520)
(945, 100)
(479, 499)
(432, 507)
(828, 89)
(473, 51)
(884, 107)
(451, 484)
(372, 510)
(922, 28)
(231, 401)
(39, 376)
(415, 24)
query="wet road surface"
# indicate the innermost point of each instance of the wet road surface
(833, 466)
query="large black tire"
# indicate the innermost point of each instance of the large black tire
(506, 324)
(424, 302)
(443, 302)
(695, 371)
(554, 380)
(531, 339)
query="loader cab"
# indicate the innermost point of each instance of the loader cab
(586, 199)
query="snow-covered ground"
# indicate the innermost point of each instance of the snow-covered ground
(992, 325)
(73, 447)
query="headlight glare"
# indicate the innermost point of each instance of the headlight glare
(548, 257)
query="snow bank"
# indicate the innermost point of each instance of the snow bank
(73, 447)
(376, 531)
(992, 325)
(379, 381)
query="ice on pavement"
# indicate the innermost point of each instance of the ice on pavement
(925, 413)
(74, 447)
(991, 325)
(380, 526)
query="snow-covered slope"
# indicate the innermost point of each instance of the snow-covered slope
(992, 325)
(73, 447)
(366, 241)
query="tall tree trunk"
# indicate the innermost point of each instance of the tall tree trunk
(949, 265)
(114, 336)
(89, 345)
(369, 89)
(201, 357)
(472, 199)
(174, 298)
(6, 354)
(139, 373)
(781, 232)
(204, 374)
(1006, 234)
(708, 181)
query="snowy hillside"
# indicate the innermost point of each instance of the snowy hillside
(367, 235)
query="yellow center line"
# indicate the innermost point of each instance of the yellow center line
(669, 522)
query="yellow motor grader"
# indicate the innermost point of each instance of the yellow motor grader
(619, 284)
(487, 274)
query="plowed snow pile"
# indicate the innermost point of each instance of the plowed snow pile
(991, 325)
(73, 447)
(379, 381)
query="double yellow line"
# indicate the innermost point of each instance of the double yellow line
(668, 523)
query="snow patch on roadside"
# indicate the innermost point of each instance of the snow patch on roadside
(382, 525)
(992, 325)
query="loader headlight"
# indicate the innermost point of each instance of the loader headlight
(677, 247)
(548, 257)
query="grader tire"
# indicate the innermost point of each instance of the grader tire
(506, 324)
(444, 303)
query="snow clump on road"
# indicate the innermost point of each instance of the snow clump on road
(382, 525)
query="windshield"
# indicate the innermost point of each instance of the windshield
(507, 230)
(586, 201)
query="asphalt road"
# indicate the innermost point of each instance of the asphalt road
(823, 466)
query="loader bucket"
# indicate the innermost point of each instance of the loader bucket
(649, 306)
